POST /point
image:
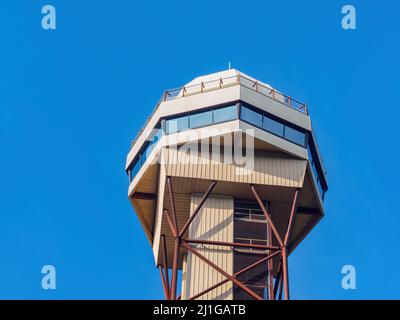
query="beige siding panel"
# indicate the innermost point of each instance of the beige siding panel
(214, 222)
(182, 204)
(159, 211)
(270, 168)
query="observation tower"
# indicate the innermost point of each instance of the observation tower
(226, 180)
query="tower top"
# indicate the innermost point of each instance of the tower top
(256, 184)
(225, 74)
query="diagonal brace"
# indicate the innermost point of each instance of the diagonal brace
(234, 275)
(267, 216)
(196, 211)
(224, 273)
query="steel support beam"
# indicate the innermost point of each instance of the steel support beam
(266, 214)
(196, 211)
(223, 272)
(165, 261)
(268, 258)
(278, 279)
(283, 244)
(285, 273)
(172, 201)
(233, 244)
(177, 241)
(164, 284)
(291, 220)
(209, 289)
(282, 279)
(171, 223)
(270, 266)
(175, 262)
(285, 267)
(280, 288)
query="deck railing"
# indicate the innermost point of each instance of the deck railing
(234, 80)
(221, 83)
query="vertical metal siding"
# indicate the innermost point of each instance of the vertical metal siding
(159, 211)
(214, 222)
(269, 168)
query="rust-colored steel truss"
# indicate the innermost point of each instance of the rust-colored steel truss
(275, 290)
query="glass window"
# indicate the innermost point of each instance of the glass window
(321, 190)
(316, 174)
(295, 135)
(225, 114)
(250, 230)
(310, 157)
(135, 168)
(200, 119)
(251, 116)
(177, 124)
(157, 134)
(314, 169)
(273, 126)
(144, 153)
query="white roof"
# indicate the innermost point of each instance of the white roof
(230, 73)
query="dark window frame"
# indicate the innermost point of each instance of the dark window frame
(148, 143)
(277, 119)
(162, 124)
(205, 109)
(316, 162)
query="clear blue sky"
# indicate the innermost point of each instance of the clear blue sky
(72, 99)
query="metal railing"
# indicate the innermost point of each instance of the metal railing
(221, 83)
(234, 80)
